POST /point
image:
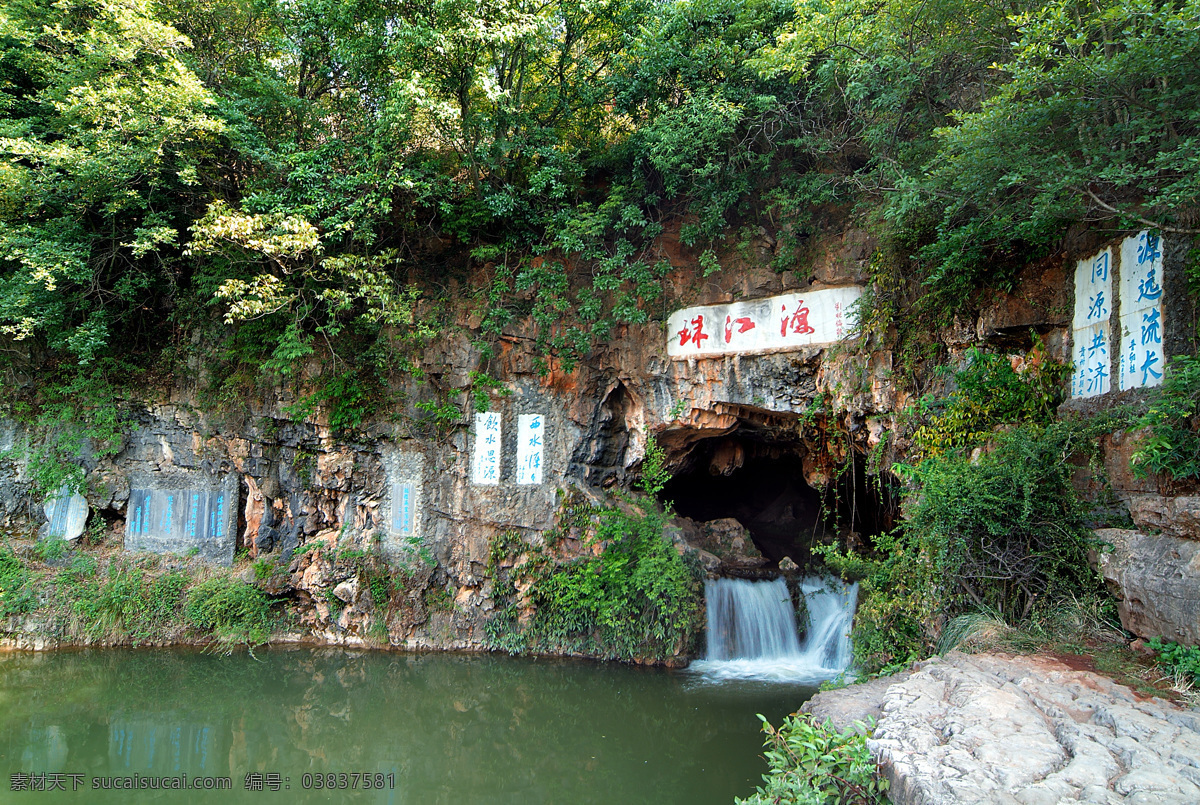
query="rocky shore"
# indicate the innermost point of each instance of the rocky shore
(1027, 730)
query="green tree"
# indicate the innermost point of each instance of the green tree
(104, 140)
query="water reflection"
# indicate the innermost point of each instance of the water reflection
(449, 728)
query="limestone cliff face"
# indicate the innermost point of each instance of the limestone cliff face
(754, 437)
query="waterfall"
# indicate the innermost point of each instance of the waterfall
(752, 630)
(830, 615)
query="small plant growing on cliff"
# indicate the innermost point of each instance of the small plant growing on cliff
(444, 416)
(482, 387)
(654, 468)
(1174, 422)
(678, 409)
(814, 764)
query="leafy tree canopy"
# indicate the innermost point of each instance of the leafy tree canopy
(311, 168)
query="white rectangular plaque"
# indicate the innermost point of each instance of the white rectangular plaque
(1090, 326)
(485, 467)
(1142, 326)
(782, 322)
(531, 432)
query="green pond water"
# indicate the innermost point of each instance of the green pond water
(429, 728)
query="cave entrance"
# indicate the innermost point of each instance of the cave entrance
(766, 487)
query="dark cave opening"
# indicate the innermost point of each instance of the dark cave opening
(768, 494)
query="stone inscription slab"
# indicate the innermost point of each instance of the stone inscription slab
(403, 520)
(1141, 339)
(66, 515)
(1090, 325)
(790, 321)
(485, 462)
(181, 518)
(531, 433)
(404, 498)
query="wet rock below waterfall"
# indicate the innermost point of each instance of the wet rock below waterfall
(990, 728)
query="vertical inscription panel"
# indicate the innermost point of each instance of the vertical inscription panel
(1090, 326)
(531, 437)
(172, 516)
(1142, 326)
(403, 517)
(403, 499)
(485, 461)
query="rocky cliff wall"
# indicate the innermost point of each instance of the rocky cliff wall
(784, 420)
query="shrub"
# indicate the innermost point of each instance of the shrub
(17, 595)
(51, 549)
(1004, 533)
(236, 612)
(814, 764)
(1173, 445)
(991, 392)
(124, 604)
(1180, 660)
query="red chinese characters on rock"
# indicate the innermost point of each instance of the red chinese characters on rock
(839, 325)
(696, 334)
(744, 324)
(797, 323)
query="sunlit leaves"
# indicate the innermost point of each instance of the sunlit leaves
(280, 237)
(100, 120)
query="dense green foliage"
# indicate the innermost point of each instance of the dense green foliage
(814, 764)
(993, 523)
(988, 392)
(16, 593)
(312, 169)
(636, 598)
(231, 609)
(1173, 445)
(1181, 660)
(129, 600)
(126, 603)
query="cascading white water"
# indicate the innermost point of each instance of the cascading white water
(830, 604)
(752, 630)
(750, 620)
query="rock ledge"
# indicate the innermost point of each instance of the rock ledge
(991, 728)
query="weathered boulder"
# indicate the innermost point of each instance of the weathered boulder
(66, 515)
(1156, 579)
(1030, 730)
(1179, 516)
(725, 539)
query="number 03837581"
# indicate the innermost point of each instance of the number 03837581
(348, 780)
